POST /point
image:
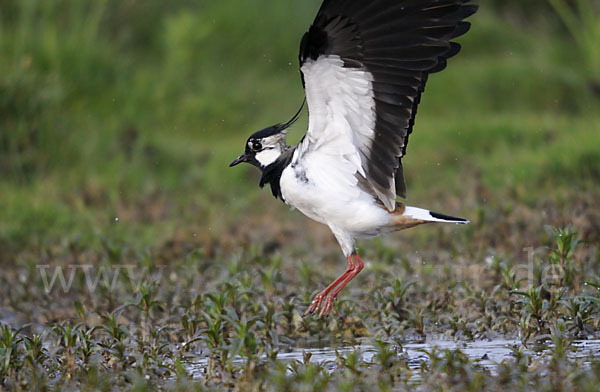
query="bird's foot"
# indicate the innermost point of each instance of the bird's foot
(315, 304)
(329, 298)
(327, 306)
(322, 302)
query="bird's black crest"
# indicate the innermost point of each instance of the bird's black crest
(277, 128)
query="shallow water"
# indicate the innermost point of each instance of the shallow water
(488, 353)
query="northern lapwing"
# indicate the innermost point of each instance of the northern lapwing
(364, 65)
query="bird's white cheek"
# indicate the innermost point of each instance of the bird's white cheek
(267, 157)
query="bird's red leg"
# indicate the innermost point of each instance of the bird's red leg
(316, 303)
(328, 305)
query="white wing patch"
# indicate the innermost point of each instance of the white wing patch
(342, 117)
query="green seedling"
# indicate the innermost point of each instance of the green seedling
(35, 353)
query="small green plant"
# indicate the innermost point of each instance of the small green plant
(532, 314)
(579, 313)
(386, 355)
(351, 362)
(566, 242)
(417, 319)
(10, 340)
(35, 353)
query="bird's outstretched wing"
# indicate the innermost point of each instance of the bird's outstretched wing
(364, 66)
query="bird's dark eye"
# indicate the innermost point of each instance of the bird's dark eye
(256, 146)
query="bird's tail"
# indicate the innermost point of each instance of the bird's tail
(430, 216)
(406, 217)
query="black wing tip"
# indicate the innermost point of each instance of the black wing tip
(461, 29)
(469, 9)
(448, 218)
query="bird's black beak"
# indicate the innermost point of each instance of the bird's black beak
(238, 160)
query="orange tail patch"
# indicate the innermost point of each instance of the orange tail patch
(400, 221)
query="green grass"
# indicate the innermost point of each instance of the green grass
(118, 120)
(583, 22)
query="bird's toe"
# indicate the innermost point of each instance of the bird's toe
(315, 305)
(327, 306)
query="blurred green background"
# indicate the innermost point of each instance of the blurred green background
(118, 118)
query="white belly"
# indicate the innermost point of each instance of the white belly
(340, 205)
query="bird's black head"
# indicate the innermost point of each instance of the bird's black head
(265, 146)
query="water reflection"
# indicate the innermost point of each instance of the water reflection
(487, 354)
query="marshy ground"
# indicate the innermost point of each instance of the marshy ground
(132, 258)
